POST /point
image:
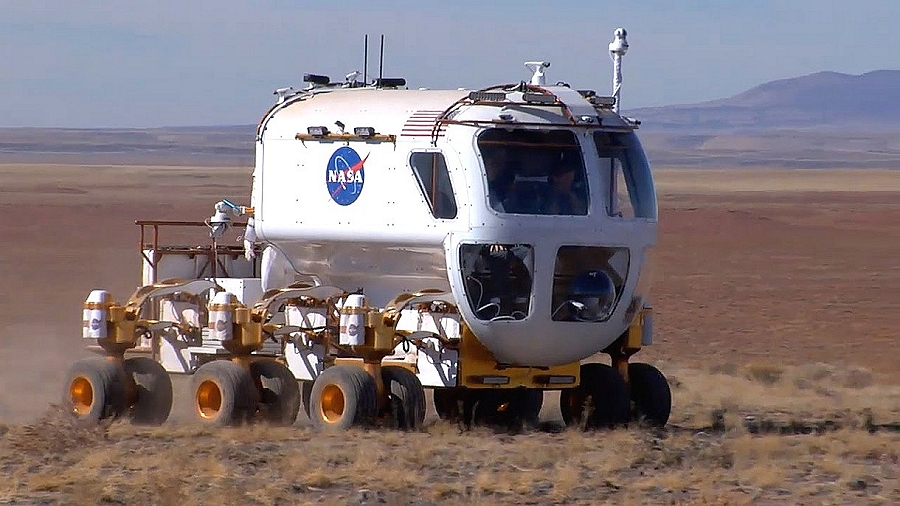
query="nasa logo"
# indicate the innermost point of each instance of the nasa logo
(345, 175)
(220, 325)
(95, 324)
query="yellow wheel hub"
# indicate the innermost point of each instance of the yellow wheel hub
(209, 399)
(332, 403)
(82, 394)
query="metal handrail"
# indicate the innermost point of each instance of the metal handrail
(213, 253)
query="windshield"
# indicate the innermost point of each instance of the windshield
(632, 194)
(534, 172)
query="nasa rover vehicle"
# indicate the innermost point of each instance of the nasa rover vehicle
(485, 244)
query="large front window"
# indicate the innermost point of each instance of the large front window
(534, 172)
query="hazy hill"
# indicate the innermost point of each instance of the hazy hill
(824, 100)
(825, 119)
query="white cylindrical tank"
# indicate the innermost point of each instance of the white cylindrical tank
(95, 314)
(221, 316)
(353, 321)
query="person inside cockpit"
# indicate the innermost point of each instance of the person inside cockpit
(499, 178)
(562, 197)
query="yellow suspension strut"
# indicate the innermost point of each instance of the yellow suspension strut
(631, 341)
(381, 335)
(117, 328)
(242, 330)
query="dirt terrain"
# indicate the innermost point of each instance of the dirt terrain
(776, 296)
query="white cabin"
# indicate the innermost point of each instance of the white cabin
(392, 190)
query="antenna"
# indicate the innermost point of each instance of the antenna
(381, 59)
(366, 59)
(617, 49)
(537, 67)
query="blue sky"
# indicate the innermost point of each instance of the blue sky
(104, 63)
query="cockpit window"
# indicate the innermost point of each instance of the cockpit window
(498, 279)
(434, 181)
(534, 172)
(631, 191)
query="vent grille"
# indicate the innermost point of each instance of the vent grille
(421, 124)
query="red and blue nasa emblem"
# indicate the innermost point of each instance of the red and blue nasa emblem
(345, 175)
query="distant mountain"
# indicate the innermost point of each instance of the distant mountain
(229, 145)
(824, 100)
(826, 119)
(820, 120)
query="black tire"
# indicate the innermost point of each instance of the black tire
(153, 390)
(343, 396)
(223, 394)
(279, 392)
(406, 396)
(511, 409)
(603, 392)
(650, 394)
(527, 407)
(446, 403)
(94, 390)
(306, 395)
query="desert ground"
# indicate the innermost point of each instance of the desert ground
(776, 294)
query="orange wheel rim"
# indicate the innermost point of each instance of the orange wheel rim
(332, 403)
(209, 399)
(81, 393)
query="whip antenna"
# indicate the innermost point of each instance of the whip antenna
(617, 49)
(381, 59)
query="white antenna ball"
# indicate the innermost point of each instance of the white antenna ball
(619, 46)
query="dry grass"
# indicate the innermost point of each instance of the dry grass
(775, 298)
(689, 462)
(816, 396)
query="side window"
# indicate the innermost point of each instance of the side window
(631, 191)
(619, 199)
(434, 182)
(612, 162)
